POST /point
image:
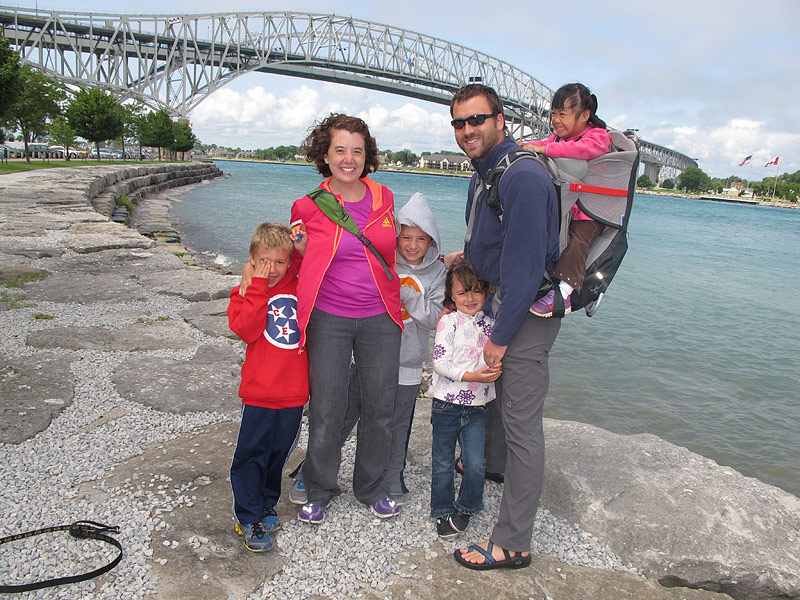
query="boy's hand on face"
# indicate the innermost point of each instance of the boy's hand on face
(262, 268)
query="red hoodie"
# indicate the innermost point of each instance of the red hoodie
(275, 370)
(323, 240)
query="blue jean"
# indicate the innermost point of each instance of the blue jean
(374, 343)
(467, 425)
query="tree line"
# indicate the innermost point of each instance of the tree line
(38, 107)
(695, 180)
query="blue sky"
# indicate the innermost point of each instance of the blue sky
(716, 80)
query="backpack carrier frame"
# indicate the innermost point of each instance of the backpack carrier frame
(603, 188)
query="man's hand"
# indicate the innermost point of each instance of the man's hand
(453, 258)
(493, 354)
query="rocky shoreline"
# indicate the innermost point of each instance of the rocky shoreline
(118, 383)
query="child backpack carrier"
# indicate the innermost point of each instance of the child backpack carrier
(603, 188)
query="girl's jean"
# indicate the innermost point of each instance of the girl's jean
(467, 425)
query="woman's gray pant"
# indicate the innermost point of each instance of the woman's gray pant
(374, 343)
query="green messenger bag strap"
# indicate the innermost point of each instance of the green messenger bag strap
(337, 213)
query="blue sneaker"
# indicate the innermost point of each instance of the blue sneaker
(311, 513)
(256, 538)
(298, 494)
(385, 508)
(270, 520)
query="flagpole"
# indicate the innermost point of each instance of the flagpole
(775, 187)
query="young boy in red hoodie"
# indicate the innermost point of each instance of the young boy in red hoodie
(274, 385)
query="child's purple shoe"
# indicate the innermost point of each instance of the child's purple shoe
(543, 307)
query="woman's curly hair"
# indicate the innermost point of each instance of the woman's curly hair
(318, 142)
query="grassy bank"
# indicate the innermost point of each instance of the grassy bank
(18, 165)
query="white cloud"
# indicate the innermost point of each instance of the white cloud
(721, 149)
(253, 118)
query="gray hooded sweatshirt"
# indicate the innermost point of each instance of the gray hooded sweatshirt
(421, 291)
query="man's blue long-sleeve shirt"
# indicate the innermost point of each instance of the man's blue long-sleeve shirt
(515, 253)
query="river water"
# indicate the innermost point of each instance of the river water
(697, 341)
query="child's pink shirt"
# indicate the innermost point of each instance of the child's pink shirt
(588, 144)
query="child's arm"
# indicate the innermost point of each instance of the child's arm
(594, 142)
(425, 308)
(484, 375)
(247, 315)
(443, 353)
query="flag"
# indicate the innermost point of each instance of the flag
(773, 162)
(745, 161)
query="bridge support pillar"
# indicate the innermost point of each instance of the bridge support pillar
(652, 170)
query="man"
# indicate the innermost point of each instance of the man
(512, 254)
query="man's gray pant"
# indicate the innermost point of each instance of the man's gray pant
(521, 394)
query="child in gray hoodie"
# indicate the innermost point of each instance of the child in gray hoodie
(422, 276)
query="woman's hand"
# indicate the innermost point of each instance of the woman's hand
(248, 271)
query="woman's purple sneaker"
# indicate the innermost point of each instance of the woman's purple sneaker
(312, 513)
(385, 508)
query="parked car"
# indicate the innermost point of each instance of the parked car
(73, 152)
(106, 154)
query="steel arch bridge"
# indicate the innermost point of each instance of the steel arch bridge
(176, 61)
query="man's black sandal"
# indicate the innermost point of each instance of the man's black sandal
(517, 561)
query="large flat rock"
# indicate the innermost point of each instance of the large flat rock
(682, 517)
(210, 317)
(212, 562)
(85, 288)
(34, 389)
(207, 382)
(170, 334)
(123, 261)
(193, 284)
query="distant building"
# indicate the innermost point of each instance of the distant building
(445, 162)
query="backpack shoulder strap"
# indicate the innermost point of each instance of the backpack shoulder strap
(336, 212)
(492, 183)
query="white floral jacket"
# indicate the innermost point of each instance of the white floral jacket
(457, 349)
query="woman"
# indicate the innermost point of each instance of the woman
(348, 305)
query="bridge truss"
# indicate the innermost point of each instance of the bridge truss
(176, 61)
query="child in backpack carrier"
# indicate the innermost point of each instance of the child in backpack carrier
(578, 133)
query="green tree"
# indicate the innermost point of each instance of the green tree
(96, 116)
(10, 79)
(37, 102)
(644, 182)
(62, 134)
(132, 114)
(668, 184)
(184, 139)
(156, 130)
(693, 179)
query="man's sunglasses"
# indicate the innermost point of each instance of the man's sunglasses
(474, 120)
